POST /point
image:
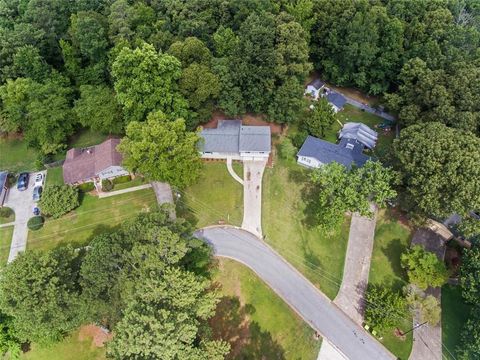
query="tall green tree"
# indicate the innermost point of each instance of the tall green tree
(162, 150)
(319, 118)
(469, 275)
(384, 308)
(469, 347)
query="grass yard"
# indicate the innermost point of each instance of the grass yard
(215, 197)
(54, 176)
(454, 315)
(85, 138)
(132, 183)
(318, 255)
(15, 156)
(92, 217)
(258, 324)
(8, 219)
(71, 348)
(5, 240)
(392, 238)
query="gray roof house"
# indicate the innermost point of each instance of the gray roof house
(317, 152)
(313, 88)
(360, 132)
(337, 100)
(232, 139)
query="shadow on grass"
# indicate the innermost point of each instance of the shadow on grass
(393, 251)
(247, 340)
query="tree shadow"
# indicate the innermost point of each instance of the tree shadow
(309, 197)
(247, 340)
(393, 251)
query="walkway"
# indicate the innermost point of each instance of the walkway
(312, 305)
(252, 195)
(369, 109)
(329, 352)
(164, 195)
(232, 172)
(123, 191)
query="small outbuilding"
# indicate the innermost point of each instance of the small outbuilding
(336, 100)
(359, 132)
(314, 88)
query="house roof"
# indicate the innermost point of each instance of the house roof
(231, 137)
(3, 179)
(348, 151)
(317, 84)
(360, 132)
(336, 99)
(84, 163)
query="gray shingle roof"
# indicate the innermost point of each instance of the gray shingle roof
(255, 138)
(327, 152)
(317, 84)
(336, 99)
(360, 132)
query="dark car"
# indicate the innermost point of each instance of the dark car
(22, 182)
(37, 193)
(36, 211)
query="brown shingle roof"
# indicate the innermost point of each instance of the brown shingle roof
(83, 164)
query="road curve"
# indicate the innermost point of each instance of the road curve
(314, 307)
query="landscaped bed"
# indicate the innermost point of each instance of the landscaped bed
(94, 216)
(257, 322)
(5, 241)
(392, 238)
(318, 254)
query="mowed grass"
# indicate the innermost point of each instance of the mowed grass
(6, 234)
(215, 197)
(70, 348)
(54, 176)
(16, 156)
(318, 254)
(9, 218)
(392, 238)
(94, 216)
(455, 313)
(132, 183)
(258, 324)
(86, 138)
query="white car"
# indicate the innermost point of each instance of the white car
(39, 179)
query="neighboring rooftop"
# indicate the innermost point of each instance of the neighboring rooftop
(360, 132)
(317, 84)
(336, 99)
(85, 163)
(3, 178)
(346, 152)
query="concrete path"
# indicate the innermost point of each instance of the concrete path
(123, 191)
(7, 224)
(329, 352)
(164, 195)
(252, 195)
(232, 172)
(350, 298)
(312, 305)
(369, 109)
(22, 203)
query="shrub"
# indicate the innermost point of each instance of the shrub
(383, 308)
(58, 200)
(35, 223)
(5, 212)
(122, 179)
(286, 149)
(107, 185)
(299, 138)
(86, 187)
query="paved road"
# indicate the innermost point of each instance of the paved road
(314, 307)
(252, 195)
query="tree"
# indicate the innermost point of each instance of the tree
(469, 227)
(162, 150)
(439, 168)
(427, 306)
(28, 63)
(191, 51)
(469, 347)
(58, 200)
(384, 309)
(146, 81)
(9, 342)
(423, 268)
(38, 290)
(98, 109)
(469, 275)
(319, 118)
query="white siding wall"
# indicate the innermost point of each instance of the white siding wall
(254, 155)
(112, 171)
(309, 162)
(216, 155)
(312, 92)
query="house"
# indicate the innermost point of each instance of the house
(314, 88)
(98, 162)
(360, 132)
(3, 186)
(336, 100)
(232, 139)
(317, 152)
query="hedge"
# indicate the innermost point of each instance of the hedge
(122, 179)
(86, 187)
(35, 223)
(107, 185)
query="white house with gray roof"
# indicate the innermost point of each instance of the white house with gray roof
(231, 139)
(360, 132)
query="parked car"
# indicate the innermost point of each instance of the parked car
(22, 182)
(39, 179)
(36, 211)
(37, 193)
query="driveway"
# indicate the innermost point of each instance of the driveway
(252, 195)
(369, 109)
(163, 193)
(312, 305)
(22, 203)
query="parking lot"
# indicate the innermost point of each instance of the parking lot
(22, 203)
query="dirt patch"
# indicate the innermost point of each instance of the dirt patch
(98, 335)
(248, 119)
(11, 136)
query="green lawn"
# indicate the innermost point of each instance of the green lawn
(258, 324)
(215, 197)
(71, 348)
(92, 217)
(54, 176)
(85, 138)
(132, 183)
(454, 315)
(317, 254)
(8, 219)
(5, 240)
(392, 238)
(15, 156)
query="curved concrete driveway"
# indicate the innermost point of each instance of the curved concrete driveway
(314, 307)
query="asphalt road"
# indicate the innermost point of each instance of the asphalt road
(314, 307)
